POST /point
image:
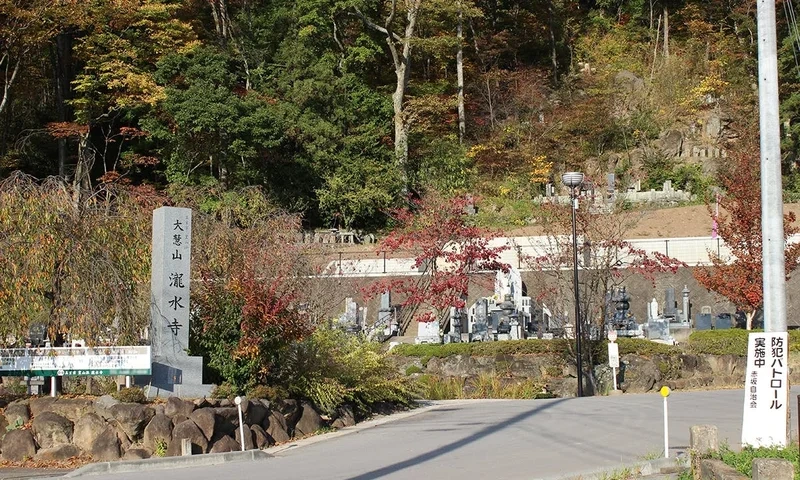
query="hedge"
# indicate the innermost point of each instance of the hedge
(711, 342)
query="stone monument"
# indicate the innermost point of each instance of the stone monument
(174, 371)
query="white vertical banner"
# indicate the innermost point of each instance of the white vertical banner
(766, 391)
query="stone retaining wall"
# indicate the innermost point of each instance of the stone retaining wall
(639, 374)
(47, 428)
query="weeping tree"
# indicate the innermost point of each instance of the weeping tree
(80, 269)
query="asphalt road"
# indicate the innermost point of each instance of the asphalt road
(496, 439)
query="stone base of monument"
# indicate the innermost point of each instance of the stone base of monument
(180, 376)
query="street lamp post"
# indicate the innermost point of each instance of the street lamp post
(573, 181)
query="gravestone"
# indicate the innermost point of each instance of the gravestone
(174, 371)
(428, 332)
(480, 325)
(702, 321)
(724, 321)
(670, 306)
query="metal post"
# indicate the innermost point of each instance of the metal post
(578, 355)
(53, 386)
(384, 261)
(666, 429)
(771, 188)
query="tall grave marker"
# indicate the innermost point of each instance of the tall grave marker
(174, 371)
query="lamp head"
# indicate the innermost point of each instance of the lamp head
(572, 179)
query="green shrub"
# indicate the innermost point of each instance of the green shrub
(483, 349)
(130, 395)
(161, 448)
(332, 367)
(719, 342)
(432, 387)
(225, 390)
(411, 370)
(268, 392)
(742, 461)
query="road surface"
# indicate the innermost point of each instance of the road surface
(497, 439)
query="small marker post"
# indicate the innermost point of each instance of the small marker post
(665, 391)
(238, 402)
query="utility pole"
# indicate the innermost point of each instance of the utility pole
(773, 248)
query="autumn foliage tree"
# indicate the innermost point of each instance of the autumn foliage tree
(249, 305)
(82, 269)
(606, 259)
(448, 252)
(739, 276)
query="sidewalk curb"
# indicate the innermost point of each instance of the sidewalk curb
(648, 467)
(125, 466)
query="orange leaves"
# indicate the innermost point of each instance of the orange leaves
(739, 278)
(66, 129)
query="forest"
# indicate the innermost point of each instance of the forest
(340, 109)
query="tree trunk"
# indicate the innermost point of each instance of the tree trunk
(81, 182)
(553, 52)
(749, 319)
(666, 32)
(62, 66)
(462, 116)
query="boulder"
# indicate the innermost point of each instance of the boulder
(102, 404)
(124, 440)
(202, 403)
(292, 410)
(159, 429)
(276, 428)
(176, 406)
(249, 443)
(3, 426)
(87, 429)
(136, 454)
(256, 413)
(310, 421)
(178, 419)
(639, 374)
(105, 447)
(58, 453)
(72, 408)
(18, 445)
(132, 417)
(17, 414)
(260, 437)
(344, 417)
(227, 420)
(158, 408)
(187, 429)
(51, 429)
(226, 443)
(205, 419)
(38, 405)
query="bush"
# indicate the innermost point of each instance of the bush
(224, 390)
(719, 342)
(484, 349)
(270, 393)
(332, 367)
(413, 369)
(130, 395)
(742, 461)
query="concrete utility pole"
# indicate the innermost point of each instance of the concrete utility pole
(771, 186)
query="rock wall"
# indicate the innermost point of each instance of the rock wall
(638, 374)
(47, 428)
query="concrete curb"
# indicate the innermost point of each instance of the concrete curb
(647, 467)
(124, 466)
(148, 464)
